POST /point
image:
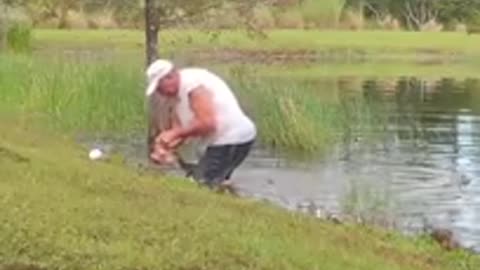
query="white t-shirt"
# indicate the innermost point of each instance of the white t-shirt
(233, 126)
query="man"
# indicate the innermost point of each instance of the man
(205, 108)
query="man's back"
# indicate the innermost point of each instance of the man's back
(233, 126)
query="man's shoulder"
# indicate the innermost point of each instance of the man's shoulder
(194, 71)
(192, 77)
(199, 74)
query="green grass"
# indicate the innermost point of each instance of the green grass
(375, 43)
(302, 117)
(373, 70)
(105, 97)
(18, 37)
(62, 211)
(74, 95)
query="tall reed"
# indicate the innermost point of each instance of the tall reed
(295, 116)
(108, 97)
(74, 95)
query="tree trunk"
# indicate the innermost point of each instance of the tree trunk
(3, 27)
(151, 31)
(62, 23)
(159, 107)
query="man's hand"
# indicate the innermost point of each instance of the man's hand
(162, 156)
(170, 138)
(203, 123)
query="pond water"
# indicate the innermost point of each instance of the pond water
(422, 169)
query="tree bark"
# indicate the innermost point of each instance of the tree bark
(159, 107)
(151, 31)
(62, 23)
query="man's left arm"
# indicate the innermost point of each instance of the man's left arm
(204, 121)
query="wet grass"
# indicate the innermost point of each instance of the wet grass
(375, 44)
(62, 211)
(102, 97)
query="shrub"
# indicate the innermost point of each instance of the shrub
(323, 14)
(474, 24)
(19, 37)
(3, 28)
(353, 20)
(15, 29)
(289, 18)
(104, 20)
(75, 20)
(263, 17)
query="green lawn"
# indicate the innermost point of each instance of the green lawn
(62, 211)
(367, 54)
(366, 41)
(374, 70)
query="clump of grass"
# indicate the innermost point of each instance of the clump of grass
(15, 29)
(74, 95)
(295, 117)
(19, 37)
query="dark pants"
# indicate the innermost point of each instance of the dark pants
(219, 162)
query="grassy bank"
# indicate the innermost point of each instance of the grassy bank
(62, 211)
(107, 97)
(372, 43)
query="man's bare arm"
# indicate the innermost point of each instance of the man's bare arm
(204, 121)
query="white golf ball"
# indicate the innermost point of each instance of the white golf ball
(95, 154)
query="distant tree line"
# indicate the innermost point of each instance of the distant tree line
(414, 14)
(358, 14)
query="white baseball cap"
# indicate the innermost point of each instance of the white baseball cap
(155, 72)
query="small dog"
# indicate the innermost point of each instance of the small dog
(165, 156)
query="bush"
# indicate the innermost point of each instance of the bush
(102, 20)
(75, 20)
(263, 17)
(15, 30)
(323, 14)
(289, 18)
(4, 18)
(473, 25)
(225, 17)
(19, 37)
(353, 20)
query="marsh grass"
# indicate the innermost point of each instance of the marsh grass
(74, 96)
(303, 118)
(19, 37)
(108, 97)
(15, 29)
